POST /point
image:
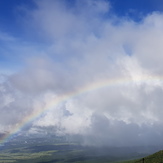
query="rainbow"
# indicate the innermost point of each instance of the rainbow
(154, 80)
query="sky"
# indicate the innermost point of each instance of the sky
(91, 68)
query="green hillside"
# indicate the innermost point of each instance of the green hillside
(154, 158)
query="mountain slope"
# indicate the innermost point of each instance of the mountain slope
(154, 158)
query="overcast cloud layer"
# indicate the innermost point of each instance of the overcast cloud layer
(76, 45)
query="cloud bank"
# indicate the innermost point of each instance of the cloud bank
(78, 45)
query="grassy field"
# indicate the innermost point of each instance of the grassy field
(41, 151)
(59, 153)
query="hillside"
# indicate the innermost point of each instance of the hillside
(154, 158)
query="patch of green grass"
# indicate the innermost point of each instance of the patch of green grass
(14, 157)
(58, 153)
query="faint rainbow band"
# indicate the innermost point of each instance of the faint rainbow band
(154, 80)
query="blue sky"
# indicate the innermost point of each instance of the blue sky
(136, 9)
(11, 12)
(49, 48)
(13, 26)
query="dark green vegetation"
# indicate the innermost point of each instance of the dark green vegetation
(154, 158)
(59, 151)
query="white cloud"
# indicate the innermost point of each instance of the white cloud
(84, 47)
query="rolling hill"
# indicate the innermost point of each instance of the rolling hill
(154, 158)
